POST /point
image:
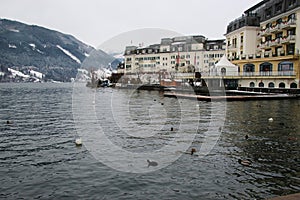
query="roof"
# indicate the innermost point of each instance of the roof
(224, 62)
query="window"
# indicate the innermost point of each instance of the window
(279, 35)
(285, 66)
(278, 7)
(252, 84)
(261, 84)
(242, 39)
(292, 16)
(291, 3)
(290, 49)
(281, 85)
(223, 71)
(271, 85)
(249, 67)
(293, 85)
(265, 67)
(268, 12)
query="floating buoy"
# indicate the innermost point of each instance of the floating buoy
(152, 163)
(270, 119)
(78, 142)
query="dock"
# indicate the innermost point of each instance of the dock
(231, 98)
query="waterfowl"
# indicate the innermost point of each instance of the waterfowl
(271, 119)
(78, 142)
(152, 163)
(193, 150)
(245, 162)
(246, 137)
(9, 122)
(172, 128)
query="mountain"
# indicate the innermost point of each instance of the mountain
(50, 52)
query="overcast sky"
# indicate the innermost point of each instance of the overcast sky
(96, 21)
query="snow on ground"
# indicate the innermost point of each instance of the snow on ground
(14, 30)
(17, 73)
(12, 46)
(69, 54)
(32, 45)
(35, 49)
(83, 71)
(86, 54)
(36, 74)
(121, 56)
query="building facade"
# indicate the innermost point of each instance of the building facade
(184, 54)
(265, 44)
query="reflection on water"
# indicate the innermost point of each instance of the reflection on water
(38, 157)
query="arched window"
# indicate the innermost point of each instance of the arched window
(271, 85)
(252, 84)
(281, 85)
(284, 68)
(248, 69)
(261, 84)
(266, 68)
(293, 85)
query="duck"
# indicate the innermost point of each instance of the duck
(9, 122)
(245, 162)
(193, 150)
(152, 163)
(78, 142)
(172, 129)
(246, 137)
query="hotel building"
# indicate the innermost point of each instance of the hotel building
(184, 54)
(264, 43)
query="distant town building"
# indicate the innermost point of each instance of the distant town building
(264, 42)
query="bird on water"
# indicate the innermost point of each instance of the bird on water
(152, 163)
(245, 162)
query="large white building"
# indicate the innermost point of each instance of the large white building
(178, 54)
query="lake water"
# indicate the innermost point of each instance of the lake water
(39, 159)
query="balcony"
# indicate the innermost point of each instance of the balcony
(275, 29)
(289, 24)
(288, 39)
(265, 32)
(265, 45)
(280, 74)
(275, 42)
(268, 73)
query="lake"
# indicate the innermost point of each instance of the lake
(122, 129)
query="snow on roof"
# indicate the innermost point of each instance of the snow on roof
(36, 74)
(69, 54)
(17, 73)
